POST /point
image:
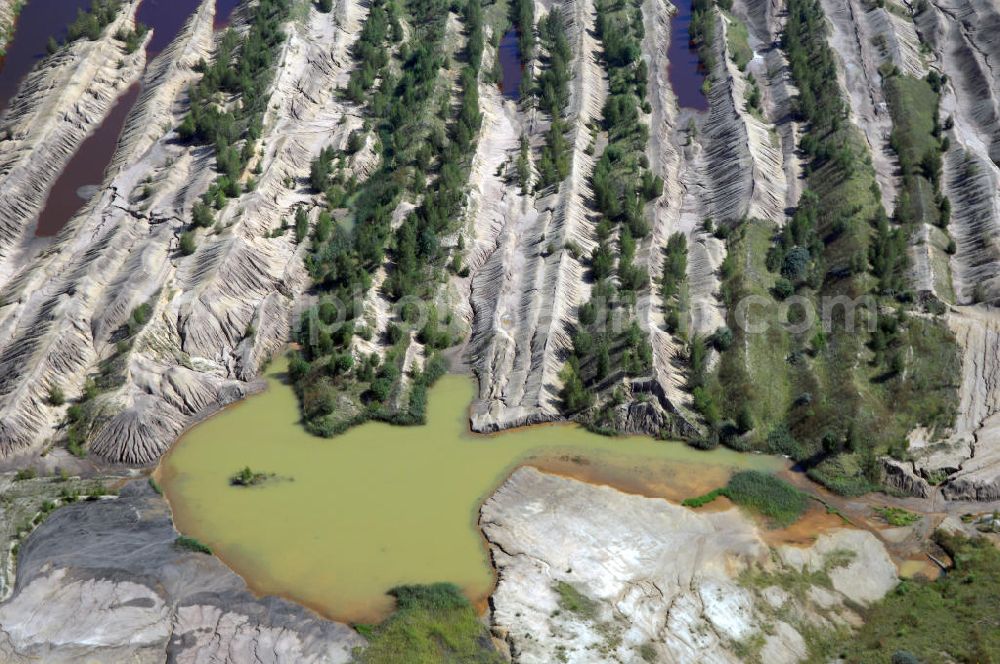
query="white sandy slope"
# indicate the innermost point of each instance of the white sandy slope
(659, 580)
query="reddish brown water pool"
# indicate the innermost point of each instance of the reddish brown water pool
(76, 183)
(166, 17)
(85, 171)
(38, 20)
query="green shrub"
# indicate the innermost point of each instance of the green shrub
(722, 339)
(188, 244)
(781, 441)
(356, 140)
(56, 396)
(897, 517)
(783, 288)
(904, 657)
(191, 544)
(247, 477)
(76, 440)
(701, 501)
(574, 395)
(744, 419)
(202, 215)
(90, 24)
(139, 317)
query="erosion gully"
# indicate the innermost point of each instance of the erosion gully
(41, 19)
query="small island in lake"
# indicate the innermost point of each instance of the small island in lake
(248, 477)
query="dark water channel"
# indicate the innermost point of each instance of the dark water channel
(686, 74)
(82, 176)
(223, 11)
(510, 65)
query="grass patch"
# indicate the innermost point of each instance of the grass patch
(912, 102)
(952, 619)
(431, 624)
(838, 558)
(776, 500)
(572, 600)
(917, 138)
(940, 249)
(796, 583)
(897, 517)
(737, 38)
(191, 544)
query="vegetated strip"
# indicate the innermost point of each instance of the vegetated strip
(701, 32)
(90, 24)
(524, 20)
(552, 94)
(425, 149)
(918, 140)
(228, 105)
(622, 185)
(836, 390)
(673, 283)
(226, 111)
(86, 411)
(86, 490)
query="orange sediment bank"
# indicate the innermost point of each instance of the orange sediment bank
(672, 481)
(804, 532)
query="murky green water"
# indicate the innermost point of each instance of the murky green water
(382, 505)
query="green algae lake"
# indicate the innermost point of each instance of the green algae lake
(348, 518)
